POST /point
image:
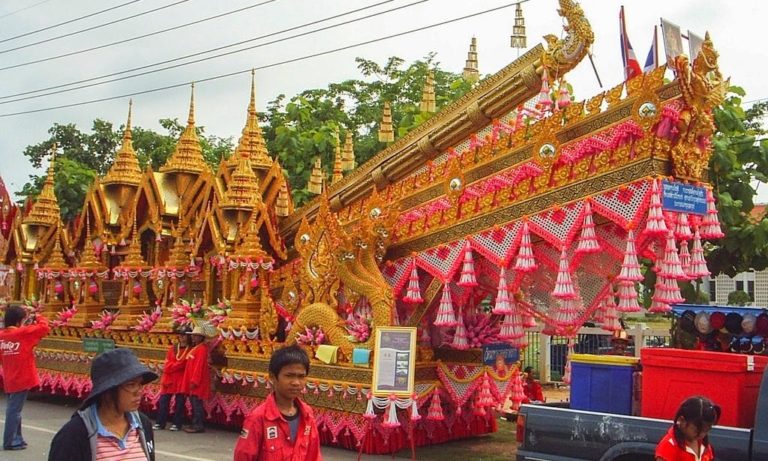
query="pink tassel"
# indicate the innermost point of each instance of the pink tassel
(413, 294)
(445, 313)
(460, 335)
(415, 416)
(425, 339)
(630, 267)
(477, 407)
(525, 261)
(369, 412)
(564, 98)
(564, 285)
(567, 312)
(666, 292)
(435, 412)
(627, 297)
(698, 264)
(710, 224)
(512, 329)
(502, 305)
(599, 315)
(611, 318)
(685, 260)
(545, 101)
(588, 240)
(486, 398)
(391, 420)
(518, 393)
(682, 228)
(671, 266)
(656, 225)
(468, 278)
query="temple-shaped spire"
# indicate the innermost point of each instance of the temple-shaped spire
(187, 157)
(126, 168)
(251, 245)
(251, 142)
(428, 102)
(89, 259)
(315, 185)
(45, 210)
(337, 161)
(243, 188)
(134, 258)
(56, 258)
(348, 154)
(517, 40)
(179, 256)
(386, 131)
(282, 205)
(471, 72)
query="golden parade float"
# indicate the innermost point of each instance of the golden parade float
(512, 207)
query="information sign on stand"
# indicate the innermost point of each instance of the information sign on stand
(98, 345)
(394, 361)
(683, 198)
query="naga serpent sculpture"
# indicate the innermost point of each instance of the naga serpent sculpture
(562, 55)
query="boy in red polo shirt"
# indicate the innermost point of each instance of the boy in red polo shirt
(283, 427)
(17, 345)
(197, 379)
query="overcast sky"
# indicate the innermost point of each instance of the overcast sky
(737, 29)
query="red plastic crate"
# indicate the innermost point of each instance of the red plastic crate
(672, 375)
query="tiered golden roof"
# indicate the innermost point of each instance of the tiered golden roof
(188, 155)
(45, 210)
(179, 253)
(126, 169)
(337, 162)
(471, 70)
(243, 189)
(251, 245)
(348, 154)
(134, 258)
(56, 258)
(251, 144)
(386, 131)
(89, 259)
(428, 102)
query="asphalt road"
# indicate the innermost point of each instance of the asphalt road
(43, 416)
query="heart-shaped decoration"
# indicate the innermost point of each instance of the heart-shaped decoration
(498, 235)
(558, 216)
(443, 252)
(625, 195)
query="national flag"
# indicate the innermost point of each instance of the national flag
(652, 61)
(631, 64)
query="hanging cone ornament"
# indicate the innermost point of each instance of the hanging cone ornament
(503, 306)
(477, 408)
(413, 293)
(587, 239)
(685, 260)
(518, 393)
(670, 266)
(710, 224)
(666, 292)
(630, 267)
(698, 264)
(564, 284)
(435, 412)
(511, 328)
(525, 261)
(656, 225)
(545, 100)
(611, 317)
(682, 227)
(468, 278)
(564, 96)
(415, 416)
(369, 411)
(599, 315)
(486, 397)
(460, 335)
(445, 313)
(567, 312)
(627, 297)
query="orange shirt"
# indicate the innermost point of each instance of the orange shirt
(17, 347)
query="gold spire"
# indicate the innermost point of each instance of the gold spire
(252, 143)
(134, 258)
(251, 245)
(126, 169)
(56, 258)
(471, 72)
(386, 132)
(348, 154)
(517, 40)
(243, 189)
(45, 210)
(315, 185)
(187, 157)
(179, 255)
(89, 260)
(337, 161)
(428, 103)
(282, 205)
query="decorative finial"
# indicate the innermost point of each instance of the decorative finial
(518, 40)
(45, 210)
(428, 102)
(252, 104)
(191, 119)
(471, 72)
(315, 185)
(282, 205)
(386, 131)
(348, 154)
(126, 168)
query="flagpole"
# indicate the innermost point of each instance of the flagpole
(656, 45)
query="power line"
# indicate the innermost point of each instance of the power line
(88, 29)
(206, 52)
(67, 22)
(119, 42)
(266, 66)
(23, 9)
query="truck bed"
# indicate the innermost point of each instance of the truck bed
(562, 434)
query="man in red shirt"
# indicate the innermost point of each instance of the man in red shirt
(17, 344)
(531, 388)
(197, 379)
(282, 428)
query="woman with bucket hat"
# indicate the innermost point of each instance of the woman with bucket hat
(108, 424)
(197, 379)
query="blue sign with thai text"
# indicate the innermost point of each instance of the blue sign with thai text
(683, 198)
(494, 352)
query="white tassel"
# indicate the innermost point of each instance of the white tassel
(369, 413)
(415, 416)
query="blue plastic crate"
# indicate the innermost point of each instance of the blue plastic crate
(601, 387)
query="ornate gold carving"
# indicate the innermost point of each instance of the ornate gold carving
(563, 55)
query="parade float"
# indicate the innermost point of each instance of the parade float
(512, 207)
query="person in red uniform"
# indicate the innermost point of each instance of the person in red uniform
(283, 427)
(688, 439)
(196, 382)
(17, 345)
(171, 384)
(531, 388)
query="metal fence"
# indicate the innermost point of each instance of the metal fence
(548, 354)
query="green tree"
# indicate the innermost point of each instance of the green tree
(739, 159)
(738, 298)
(71, 182)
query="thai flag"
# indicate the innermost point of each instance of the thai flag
(652, 61)
(631, 64)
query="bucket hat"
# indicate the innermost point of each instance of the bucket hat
(717, 320)
(687, 321)
(761, 324)
(198, 330)
(702, 323)
(113, 368)
(748, 324)
(733, 323)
